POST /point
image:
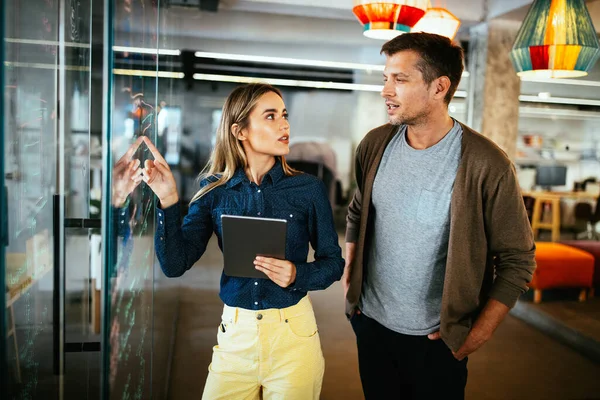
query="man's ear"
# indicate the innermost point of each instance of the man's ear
(442, 85)
(239, 134)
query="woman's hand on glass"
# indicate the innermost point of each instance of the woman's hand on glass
(157, 174)
(126, 175)
(282, 272)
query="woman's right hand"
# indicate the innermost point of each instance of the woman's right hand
(159, 177)
(126, 175)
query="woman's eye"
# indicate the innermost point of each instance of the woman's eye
(286, 116)
(271, 116)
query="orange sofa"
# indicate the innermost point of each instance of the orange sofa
(561, 266)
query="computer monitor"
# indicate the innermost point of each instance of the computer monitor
(551, 175)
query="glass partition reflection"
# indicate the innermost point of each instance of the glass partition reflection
(130, 251)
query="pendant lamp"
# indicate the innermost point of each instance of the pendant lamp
(439, 21)
(557, 40)
(386, 19)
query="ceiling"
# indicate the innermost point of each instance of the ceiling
(314, 30)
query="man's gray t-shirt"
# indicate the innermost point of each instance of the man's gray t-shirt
(408, 250)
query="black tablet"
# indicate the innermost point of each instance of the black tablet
(244, 238)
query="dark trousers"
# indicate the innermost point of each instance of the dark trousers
(397, 366)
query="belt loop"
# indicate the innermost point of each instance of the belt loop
(281, 314)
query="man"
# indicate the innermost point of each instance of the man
(438, 244)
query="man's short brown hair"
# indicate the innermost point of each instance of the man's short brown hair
(439, 57)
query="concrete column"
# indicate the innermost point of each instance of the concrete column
(494, 89)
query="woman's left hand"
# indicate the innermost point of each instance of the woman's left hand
(282, 272)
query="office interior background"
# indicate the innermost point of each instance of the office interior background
(88, 314)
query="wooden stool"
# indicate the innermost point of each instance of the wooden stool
(554, 225)
(12, 331)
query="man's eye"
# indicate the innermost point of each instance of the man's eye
(270, 116)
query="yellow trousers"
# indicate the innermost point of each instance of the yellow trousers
(267, 354)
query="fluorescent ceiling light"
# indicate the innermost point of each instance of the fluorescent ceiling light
(53, 67)
(575, 82)
(534, 112)
(295, 61)
(46, 42)
(289, 82)
(145, 50)
(299, 83)
(151, 74)
(559, 100)
(290, 61)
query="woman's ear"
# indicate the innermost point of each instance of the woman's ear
(238, 133)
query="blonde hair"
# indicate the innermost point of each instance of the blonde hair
(228, 154)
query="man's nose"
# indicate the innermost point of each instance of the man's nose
(388, 89)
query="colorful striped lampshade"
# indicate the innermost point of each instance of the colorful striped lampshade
(557, 40)
(439, 21)
(386, 19)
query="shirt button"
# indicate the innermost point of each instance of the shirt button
(258, 190)
(160, 222)
(256, 303)
(258, 213)
(255, 283)
(259, 316)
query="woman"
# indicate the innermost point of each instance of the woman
(268, 344)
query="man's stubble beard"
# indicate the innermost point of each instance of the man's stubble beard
(418, 119)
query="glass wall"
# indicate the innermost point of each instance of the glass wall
(50, 156)
(71, 308)
(141, 305)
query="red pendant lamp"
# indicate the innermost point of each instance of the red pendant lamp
(386, 19)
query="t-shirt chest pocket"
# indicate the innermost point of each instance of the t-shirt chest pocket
(434, 208)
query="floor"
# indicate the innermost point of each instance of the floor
(519, 362)
(584, 317)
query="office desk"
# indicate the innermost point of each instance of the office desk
(554, 199)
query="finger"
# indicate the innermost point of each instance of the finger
(120, 166)
(133, 148)
(266, 267)
(153, 150)
(132, 166)
(161, 167)
(131, 151)
(269, 274)
(150, 175)
(148, 164)
(137, 175)
(434, 336)
(272, 261)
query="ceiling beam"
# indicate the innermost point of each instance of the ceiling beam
(497, 8)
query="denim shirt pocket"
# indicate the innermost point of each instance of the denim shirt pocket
(217, 213)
